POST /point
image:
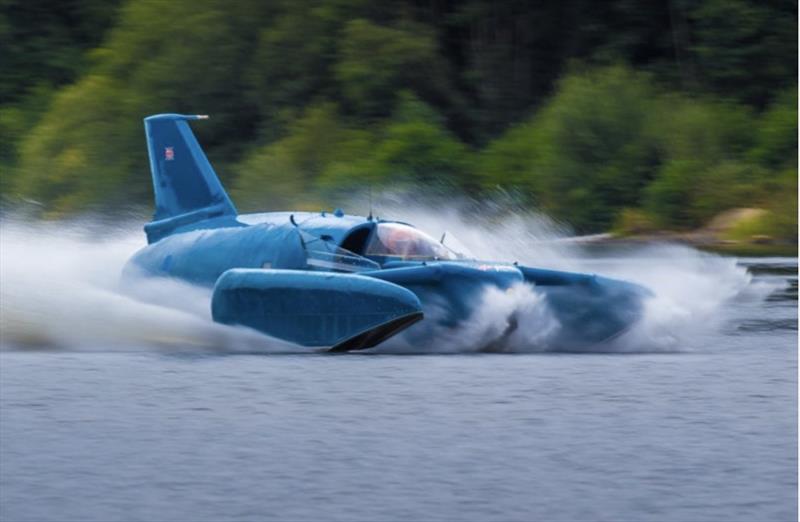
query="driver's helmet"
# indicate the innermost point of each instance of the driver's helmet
(400, 240)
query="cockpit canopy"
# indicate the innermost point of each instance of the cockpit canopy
(406, 242)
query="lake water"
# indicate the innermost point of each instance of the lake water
(694, 420)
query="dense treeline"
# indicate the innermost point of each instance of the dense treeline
(618, 113)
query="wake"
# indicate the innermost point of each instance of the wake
(61, 291)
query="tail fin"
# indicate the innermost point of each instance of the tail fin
(186, 187)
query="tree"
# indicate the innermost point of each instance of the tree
(376, 62)
(593, 149)
(745, 49)
(89, 149)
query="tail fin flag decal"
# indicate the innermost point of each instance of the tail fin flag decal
(183, 179)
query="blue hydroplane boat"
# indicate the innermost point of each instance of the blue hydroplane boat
(336, 281)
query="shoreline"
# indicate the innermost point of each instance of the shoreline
(705, 243)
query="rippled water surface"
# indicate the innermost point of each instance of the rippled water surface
(704, 428)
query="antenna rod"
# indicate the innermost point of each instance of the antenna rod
(369, 188)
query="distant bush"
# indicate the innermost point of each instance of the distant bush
(715, 156)
(587, 153)
(631, 221)
(79, 153)
(782, 205)
(376, 62)
(88, 149)
(688, 193)
(416, 146)
(779, 221)
(324, 155)
(702, 130)
(609, 139)
(776, 136)
(285, 172)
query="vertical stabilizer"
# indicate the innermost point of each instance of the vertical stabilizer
(186, 187)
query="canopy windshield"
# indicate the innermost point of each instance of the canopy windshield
(403, 241)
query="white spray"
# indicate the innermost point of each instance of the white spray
(60, 288)
(690, 287)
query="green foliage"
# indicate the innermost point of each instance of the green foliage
(702, 149)
(723, 186)
(689, 193)
(16, 120)
(779, 221)
(415, 146)
(665, 198)
(745, 49)
(602, 113)
(376, 62)
(703, 130)
(509, 160)
(717, 156)
(631, 221)
(588, 152)
(88, 148)
(292, 62)
(514, 52)
(608, 140)
(44, 42)
(596, 148)
(285, 172)
(776, 138)
(43, 47)
(322, 154)
(77, 152)
(781, 202)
